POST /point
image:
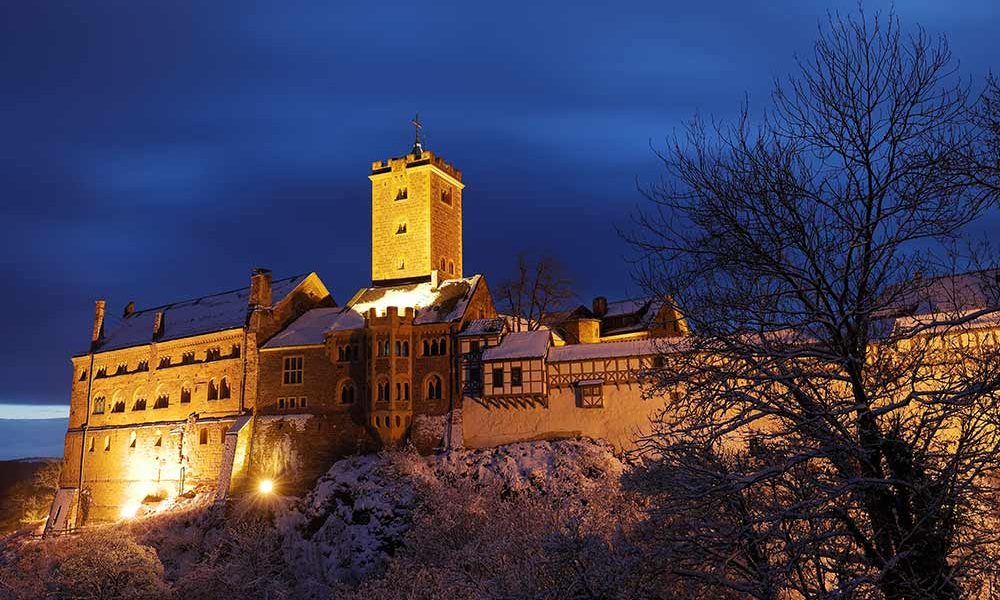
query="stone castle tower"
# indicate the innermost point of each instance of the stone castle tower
(416, 218)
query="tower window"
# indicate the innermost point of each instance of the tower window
(446, 196)
(131, 440)
(402, 264)
(451, 268)
(140, 404)
(442, 266)
(99, 405)
(213, 390)
(347, 393)
(162, 401)
(203, 436)
(185, 395)
(401, 229)
(401, 194)
(224, 392)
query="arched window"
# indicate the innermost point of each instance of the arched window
(442, 265)
(451, 268)
(427, 348)
(434, 388)
(347, 393)
(224, 393)
(213, 390)
(340, 353)
(99, 403)
(399, 348)
(185, 395)
(383, 391)
(434, 348)
(406, 348)
(162, 401)
(443, 346)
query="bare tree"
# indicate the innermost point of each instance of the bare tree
(538, 288)
(835, 430)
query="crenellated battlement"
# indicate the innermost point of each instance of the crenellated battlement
(409, 161)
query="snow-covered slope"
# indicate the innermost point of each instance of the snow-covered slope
(358, 513)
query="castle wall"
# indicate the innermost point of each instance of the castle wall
(624, 416)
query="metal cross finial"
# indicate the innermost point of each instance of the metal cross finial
(416, 131)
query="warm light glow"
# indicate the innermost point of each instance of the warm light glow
(266, 486)
(129, 510)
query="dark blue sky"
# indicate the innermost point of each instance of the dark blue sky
(155, 151)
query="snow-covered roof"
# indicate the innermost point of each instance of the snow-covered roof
(520, 344)
(448, 302)
(311, 328)
(955, 293)
(571, 352)
(484, 326)
(207, 314)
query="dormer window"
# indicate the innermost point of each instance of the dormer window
(401, 194)
(401, 229)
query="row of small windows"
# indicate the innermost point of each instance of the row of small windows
(436, 347)
(292, 402)
(187, 358)
(402, 193)
(203, 439)
(347, 353)
(451, 267)
(216, 391)
(386, 422)
(516, 377)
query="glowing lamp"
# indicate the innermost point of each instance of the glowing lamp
(266, 486)
(129, 510)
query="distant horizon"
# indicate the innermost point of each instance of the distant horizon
(23, 411)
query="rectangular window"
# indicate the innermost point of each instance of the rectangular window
(291, 402)
(281, 403)
(292, 370)
(302, 402)
(498, 378)
(590, 394)
(515, 376)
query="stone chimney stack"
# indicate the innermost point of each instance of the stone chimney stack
(599, 306)
(98, 331)
(260, 288)
(129, 309)
(158, 325)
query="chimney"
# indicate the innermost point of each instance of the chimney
(260, 287)
(435, 281)
(98, 333)
(129, 309)
(599, 306)
(158, 325)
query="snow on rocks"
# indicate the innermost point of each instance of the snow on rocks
(359, 511)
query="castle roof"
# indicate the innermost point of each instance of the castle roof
(976, 290)
(484, 326)
(444, 304)
(207, 314)
(520, 344)
(571, 352)
(311, 328)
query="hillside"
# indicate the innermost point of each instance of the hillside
(522, 514)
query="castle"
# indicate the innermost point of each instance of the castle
(273, 382)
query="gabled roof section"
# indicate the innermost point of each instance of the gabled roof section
(311, 328)
(445, 304)
(520, 344)
(484, 327)
(207, 314)
(571, 352)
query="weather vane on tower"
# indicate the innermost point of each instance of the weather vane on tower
(417, 148)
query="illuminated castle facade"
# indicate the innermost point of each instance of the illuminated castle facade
(276, 381)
